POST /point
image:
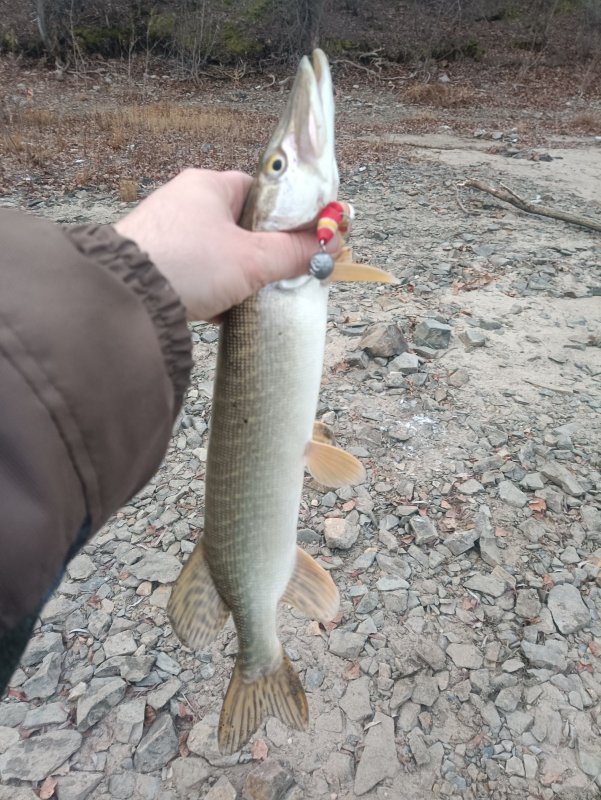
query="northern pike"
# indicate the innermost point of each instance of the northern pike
(267, 381)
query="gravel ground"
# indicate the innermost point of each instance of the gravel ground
(467, 659)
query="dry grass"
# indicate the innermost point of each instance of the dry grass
(588, 120)
(440, 95)
(128, 190)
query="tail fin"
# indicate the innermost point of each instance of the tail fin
(278, 694)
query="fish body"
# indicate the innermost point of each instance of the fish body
(266, 390)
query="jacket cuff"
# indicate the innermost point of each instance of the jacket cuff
(124, 259)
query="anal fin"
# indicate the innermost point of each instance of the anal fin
(332, 466)
(311, 589)
(278, 693)
(195, 607)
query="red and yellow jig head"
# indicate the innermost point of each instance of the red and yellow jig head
(334, 217)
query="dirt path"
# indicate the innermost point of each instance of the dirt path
(467, 661)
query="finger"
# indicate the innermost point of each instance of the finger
(235, 186)
(277, 256)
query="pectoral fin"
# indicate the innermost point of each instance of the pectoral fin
(321, 433)
(247, 703)
(332, 466)
(345, 269)
(311, 589)
(195, 608)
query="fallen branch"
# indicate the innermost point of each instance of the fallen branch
(509, 196)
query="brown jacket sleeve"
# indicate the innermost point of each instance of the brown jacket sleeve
(95, 356)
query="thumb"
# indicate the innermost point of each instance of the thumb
(279, 255)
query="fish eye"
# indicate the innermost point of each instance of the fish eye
(275, 165)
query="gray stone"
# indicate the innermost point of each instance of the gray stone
(81, 567)
(77, 785)
(338, 769)
(425, 692)
(486, 584)
(470, 487)
(544, 656)
(158, 746)
(269, 781)
(434, 334)
(465, 656)
(36, 758)
(519, 721)
(403, 689)
(472, 337)
(167, 664)
(588, 754)
(135, 668)
(419, 749)
(567, 608)
(17, 793)
(202, 741)
(188, 774)
(562, 477)
(508, 698)
(406, 364)
(57, 609)
(98, 701)
(128, 721)
(424, 530)
(379, 758)
(222, 790)
(510, 494)
(12, 714)
(339, 533)
(430, 653)
(591, 518)
(8, 737)
(461, 542)
(386, 584)
(160, 696)
(121, 644)
(514, 766)
(382, 340)
(157, 566)
(44, 681)
(346, 644)
(569, 555)
(41, 646)
(527, 603)
(48, 714)
(355, 702)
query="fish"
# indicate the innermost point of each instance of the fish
(263, 435)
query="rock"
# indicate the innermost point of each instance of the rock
(77, 785)
(188, 775)
(222, 790)
(591, 518)
(44, 681)
(8, 737)
(472, 337)
(157, 566)
(12, 714)
(434, 334)
(544, 656)
(81, 567)
(419, 749)
(121, 644)
(128, 721)
(486, 584)
(588, 754)
(135, 668)
(338, 769)
(36, 758)
(383, 340)
(567, 608)
(459, 543)
(159, 697)
(269, 781)
(429, 652)
(508, 698)
(406, 364)
(562, 477)
(339, 533)
(40, 646)
(387, 584)
(48, 714)
(98, 701)
(514, 766)
(465, 655)
(57, 609)
(167, 664)
(527, 603)
(424, 530)
(17, 793)
(202, 741)
(346, 644)
(158, 746)
(355, 702)
(379, 758)
(519, 722)
(510, 494)
(425, 691)
(470, 487)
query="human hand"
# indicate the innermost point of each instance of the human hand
(188, 228)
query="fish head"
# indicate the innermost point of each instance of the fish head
(298, 175)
